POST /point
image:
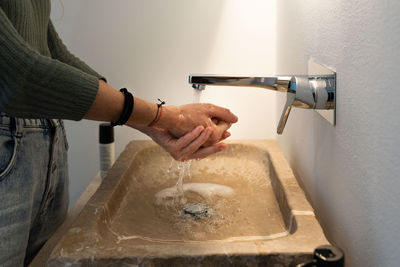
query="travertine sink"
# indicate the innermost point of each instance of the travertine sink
(242, 206)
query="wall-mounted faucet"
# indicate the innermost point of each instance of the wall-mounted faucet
(309, 92)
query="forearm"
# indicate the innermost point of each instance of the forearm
(109, 103)
(177, 121)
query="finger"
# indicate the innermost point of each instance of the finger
(220, 129)
(222, 114)
(218, 132)
(205, 152)
(225, 135)
(197, 143)
(189, 137)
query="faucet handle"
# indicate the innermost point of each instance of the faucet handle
(286, 110)
(308, 92)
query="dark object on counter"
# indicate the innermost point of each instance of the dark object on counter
(326, 256)
(106, 133)
(106, 148)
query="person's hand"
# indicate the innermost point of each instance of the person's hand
(189, 146)
(183, 119)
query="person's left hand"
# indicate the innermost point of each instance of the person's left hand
(188, 146)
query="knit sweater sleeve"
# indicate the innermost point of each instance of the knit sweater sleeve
(59, 51)
(35, 86)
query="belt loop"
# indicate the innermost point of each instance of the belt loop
(19, 126)
(53, 122)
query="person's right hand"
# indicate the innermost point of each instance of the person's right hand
(183, 119)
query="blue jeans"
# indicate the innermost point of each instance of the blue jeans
(33, 186)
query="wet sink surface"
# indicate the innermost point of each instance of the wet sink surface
(233, 188)
(242, 202)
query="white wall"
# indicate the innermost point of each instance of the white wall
(351, 171)
(151, 47)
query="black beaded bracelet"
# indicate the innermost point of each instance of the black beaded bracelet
(127, 110)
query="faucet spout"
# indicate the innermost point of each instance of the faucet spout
(280, 84)
(309, 92)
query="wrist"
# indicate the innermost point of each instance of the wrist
(127, 108)
(158, 114)
(143, 113)
(169, 117)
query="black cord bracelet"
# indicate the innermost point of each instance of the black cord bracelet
(127, 110)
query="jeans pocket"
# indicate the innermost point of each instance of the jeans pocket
(8, 152)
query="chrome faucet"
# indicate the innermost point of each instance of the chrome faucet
(309, 92)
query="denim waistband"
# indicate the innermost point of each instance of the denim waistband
(6, 120)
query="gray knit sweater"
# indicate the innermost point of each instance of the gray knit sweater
(39, 77)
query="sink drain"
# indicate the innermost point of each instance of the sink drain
(197, 211)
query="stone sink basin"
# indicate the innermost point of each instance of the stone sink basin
(242, 206)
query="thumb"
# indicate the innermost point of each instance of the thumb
(223, 114)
